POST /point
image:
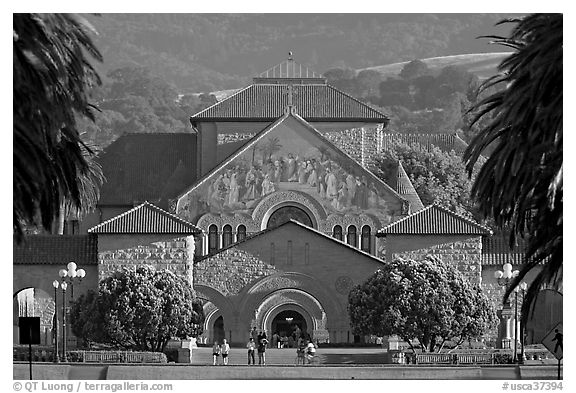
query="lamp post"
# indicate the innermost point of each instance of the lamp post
(56, 284)
(523, 287)
(503, 278)
(68, 276)
(64, 285)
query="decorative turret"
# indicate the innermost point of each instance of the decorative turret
(405, 188)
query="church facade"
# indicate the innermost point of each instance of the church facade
(274, 228)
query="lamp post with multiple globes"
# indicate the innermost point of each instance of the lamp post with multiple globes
(56, 284)
(68, 277)
(522, 287)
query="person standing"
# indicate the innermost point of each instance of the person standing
(216, 350)
(251, 349)
(262, 351)
(225, 351)
(254, 335)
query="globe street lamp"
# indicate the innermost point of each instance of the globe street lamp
(69, 276)
(504, 277)
(523, 287)
(56, 284)
(64, 285)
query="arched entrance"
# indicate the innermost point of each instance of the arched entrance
(287, 213)
(218, 330)
(288, 322)
(34, 302)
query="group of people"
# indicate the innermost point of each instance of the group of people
(220, 350)
(237, 187)
(257, 342)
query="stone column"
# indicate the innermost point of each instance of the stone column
(506, 316)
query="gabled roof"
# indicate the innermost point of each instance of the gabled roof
(434, 220)
(258, 137)
(147, 167)
(56, 250)
(266, 102)
(299, 224)
(405, 188)
(146, 219)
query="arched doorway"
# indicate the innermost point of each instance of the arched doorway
(287, 322)
(218, 330)
(287, 213)
(34, 302)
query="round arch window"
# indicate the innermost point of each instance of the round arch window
(287, 213)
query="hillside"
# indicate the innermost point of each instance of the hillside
(209, 52)
(483, 65)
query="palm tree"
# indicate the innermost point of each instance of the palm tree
(51, 80)
(520, 184)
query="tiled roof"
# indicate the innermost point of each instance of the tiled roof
(405, 188)
(145, 219)
(314, 102)
(56, 250)
(445, 142)
(434, 220)
(496, 250)
(147, 167)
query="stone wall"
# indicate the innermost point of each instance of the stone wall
(231, 270)
(169, 252)
(463, 251)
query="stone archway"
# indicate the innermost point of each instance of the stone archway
(272, 202)
(34, 302)
(297, 301)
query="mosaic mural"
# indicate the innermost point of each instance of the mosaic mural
(296, 159)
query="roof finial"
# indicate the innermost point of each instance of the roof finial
(290, 56)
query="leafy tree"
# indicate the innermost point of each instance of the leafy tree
(52, 76)
(140, 309)
(367, 82)
(414, 69)
(521, 183)
(425, 300)
(438, 177)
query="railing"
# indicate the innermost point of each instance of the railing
(434, 358)
(121, 357)
(474, 358)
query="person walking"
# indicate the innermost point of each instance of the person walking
(262, 351)
(251, 349)
(310, 351)
(225, 351)
(216, 350)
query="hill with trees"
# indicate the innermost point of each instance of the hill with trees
(209, 52)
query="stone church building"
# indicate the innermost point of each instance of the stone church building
(267, 208)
